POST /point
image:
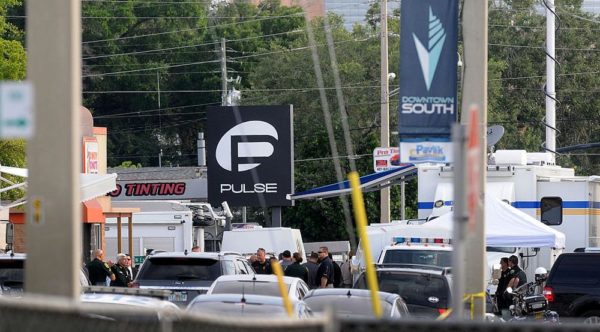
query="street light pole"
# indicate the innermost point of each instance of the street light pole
(385, 214)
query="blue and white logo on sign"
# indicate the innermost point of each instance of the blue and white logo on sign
(429, 56)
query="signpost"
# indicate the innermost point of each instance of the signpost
(16, 115)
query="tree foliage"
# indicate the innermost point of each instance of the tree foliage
(12, 67)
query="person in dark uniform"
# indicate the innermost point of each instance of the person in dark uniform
(122, 276)
(501, 301)
(337, 273)
(98, 270)
(325, 271)
(261, 265)
(517, 275)
(312, 267)
(296, 269)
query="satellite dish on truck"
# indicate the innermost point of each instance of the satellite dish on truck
(494, 134)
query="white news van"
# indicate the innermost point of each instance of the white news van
(159, 225)
(273, 239)
(529, 182)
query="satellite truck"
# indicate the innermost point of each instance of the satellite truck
(530, 182)
(162, 226)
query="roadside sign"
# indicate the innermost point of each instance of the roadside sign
(138, 259)
(16, 110)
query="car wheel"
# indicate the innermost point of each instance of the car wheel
(591, 317)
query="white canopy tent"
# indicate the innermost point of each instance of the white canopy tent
(505, 226)
(91, 185)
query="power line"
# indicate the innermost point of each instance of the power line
(191, 46)
(155, 68)
(186, 30)
(218, 90)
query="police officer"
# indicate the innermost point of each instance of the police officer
(261, 265)
(325, 270)
(517, 275)
(122, 276)
(99, 270)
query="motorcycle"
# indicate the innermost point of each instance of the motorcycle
(529, 303)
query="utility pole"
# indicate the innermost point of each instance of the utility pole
(475, 20)
(223, 73)
(385, 110)
(54, 253)
(550, 79)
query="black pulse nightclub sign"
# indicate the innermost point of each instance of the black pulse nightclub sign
(250, 155)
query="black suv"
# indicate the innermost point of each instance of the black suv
(188, 275)
(425, 289)
(12, 271)
(573, 286)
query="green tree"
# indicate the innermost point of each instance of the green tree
(13, 61)
(180, 41)
(517, 66)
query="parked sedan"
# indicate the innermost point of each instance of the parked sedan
(355, 303)
(123, 307)
(258, 284)
(426, 290)
(247, 305)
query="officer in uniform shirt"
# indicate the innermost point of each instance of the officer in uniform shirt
(99, 270)
(122, 276)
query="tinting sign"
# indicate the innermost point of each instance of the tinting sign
(250, 155)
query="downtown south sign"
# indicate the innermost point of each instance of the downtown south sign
(428, 79)
(250, 155)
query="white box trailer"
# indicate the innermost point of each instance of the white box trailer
(159, 225)
(552, 194)
(273, 239)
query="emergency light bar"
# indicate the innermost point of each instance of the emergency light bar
(401, 240)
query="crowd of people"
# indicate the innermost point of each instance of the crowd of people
(101, 273)
(320, 271)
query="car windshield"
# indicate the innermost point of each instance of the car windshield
(577, 269)
(507, 250)
(239, 309)
(422, 289)
(420, 257)
(180, 268)
(346, 306)
(12, 275)
(248, 287)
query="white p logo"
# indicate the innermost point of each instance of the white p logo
(245, 149)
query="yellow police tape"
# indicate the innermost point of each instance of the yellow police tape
(282, 289)
(468, 297)
(361, 222)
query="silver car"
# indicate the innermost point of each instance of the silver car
(355, 303)
(246, 305)
(258, 284)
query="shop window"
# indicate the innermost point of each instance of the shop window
(551, 208)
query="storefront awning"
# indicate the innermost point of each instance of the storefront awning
(91, 185)
(371, 182)
(92, 212)
(95, 185)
